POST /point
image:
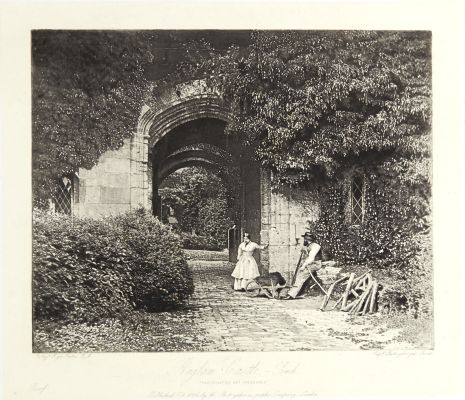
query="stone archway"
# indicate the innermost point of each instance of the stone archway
(207, 156)
(180, 117)
(170, 109)
(169, 134)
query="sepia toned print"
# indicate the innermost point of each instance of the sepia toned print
(231, 190)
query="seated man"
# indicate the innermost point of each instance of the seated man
(310, 262)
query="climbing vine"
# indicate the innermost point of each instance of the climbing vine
(314, 106)
(393, 239)
(87, 92)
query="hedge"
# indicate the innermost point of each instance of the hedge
(197, 242)
(85, 270)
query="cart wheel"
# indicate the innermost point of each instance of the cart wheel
(253, 289)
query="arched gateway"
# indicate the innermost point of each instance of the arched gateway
(182, 127)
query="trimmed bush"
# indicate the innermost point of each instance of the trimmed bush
(85, 270)
(161, 276)
(81, 269)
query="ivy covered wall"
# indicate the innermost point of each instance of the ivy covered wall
(394, 236)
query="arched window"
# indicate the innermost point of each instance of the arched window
(357, 199)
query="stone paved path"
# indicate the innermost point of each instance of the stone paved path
(219, 319)
(233, 321)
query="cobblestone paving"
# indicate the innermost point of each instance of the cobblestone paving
(233, 321)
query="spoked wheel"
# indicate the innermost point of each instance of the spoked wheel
(253, 289)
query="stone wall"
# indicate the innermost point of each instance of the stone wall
(106, 188)
(251, 206)
(284, 212)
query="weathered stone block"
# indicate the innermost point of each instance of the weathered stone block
(329, 273)
(84, 173)
(115, 165)
(279, 258)
(115, 195)
(92, 194)
(92, 180)
(294, 255)
(264, 236)
(124, 152)
(138, 199)
(282, 217)
(82, 191)
(114, 179)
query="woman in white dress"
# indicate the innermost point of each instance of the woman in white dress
(246, 267)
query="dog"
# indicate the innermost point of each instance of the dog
(275, 280)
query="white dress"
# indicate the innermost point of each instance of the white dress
(246, 267)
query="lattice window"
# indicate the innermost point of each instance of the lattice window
(63, 199)
(357, 199)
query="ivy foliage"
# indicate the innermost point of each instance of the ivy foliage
(315, 106)
(87, 93)
(308, 100)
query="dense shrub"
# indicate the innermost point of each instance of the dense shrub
(81, 269)
(161, 277)
(86, 269)
(411, 291)
(204, 204)
(214, 221)
(195, 242)
(394, 239)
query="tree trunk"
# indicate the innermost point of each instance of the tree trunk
(326, 298)
(355, 304)
(349, 306)
(330, 291)
(361, 277)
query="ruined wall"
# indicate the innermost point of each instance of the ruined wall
(284, 212)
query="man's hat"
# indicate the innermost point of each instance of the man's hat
(309, 235)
